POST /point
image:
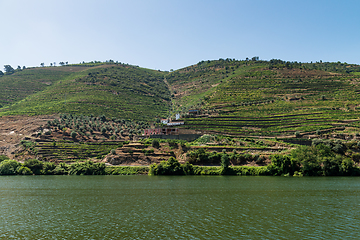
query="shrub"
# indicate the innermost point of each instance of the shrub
(347, 167)
(225, 162)
(48, 168)
(356, 157)
(24, 171)
(34, 165)
(3, 157)
(27, 144)
(61, 169)
(155, 143)
(332, 166)
(169, 167)
(173, 144)
(87, 168)
(188, 168)
(282, 164)
(73, 134)
(8, 167)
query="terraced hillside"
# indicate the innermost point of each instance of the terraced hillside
(115, 90)
(268, 98)
(24, 83)
(248, 97)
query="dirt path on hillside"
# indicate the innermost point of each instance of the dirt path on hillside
(14, 128)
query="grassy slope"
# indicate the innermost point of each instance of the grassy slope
(241, 97)
(260, 98)
(21, 84)
(116, 90)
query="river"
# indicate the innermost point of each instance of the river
(181, 207)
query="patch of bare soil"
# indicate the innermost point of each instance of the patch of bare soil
(15, 128)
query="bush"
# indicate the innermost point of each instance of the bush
(155, 143)
(48, 168)
(34, 165)
(309, 157)
(8, 167)
(61, 169)
(347, 167)
(169, 167)
(73, 134)
(282, 164)
(250, 171)
(356, 157)
(24, 171)
(225, 162)
(3, 157)
(103, 130)
(173, 144)
(87, 168)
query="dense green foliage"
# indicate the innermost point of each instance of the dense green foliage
(173, 167)
(316, 160)
(200, 156)
(34, 166)
(3, 157)
(169, 167)
(126, 170)
(9, 167)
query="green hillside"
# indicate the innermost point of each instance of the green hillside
(269, 98)
(114, 90)
(247, 98)
(21, 84)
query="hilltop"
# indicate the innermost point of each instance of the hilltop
(114, 90)
(268, 98)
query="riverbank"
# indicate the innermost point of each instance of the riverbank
(316, 160)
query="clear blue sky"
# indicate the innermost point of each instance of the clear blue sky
(171, 34)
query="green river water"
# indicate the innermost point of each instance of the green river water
(179, 207)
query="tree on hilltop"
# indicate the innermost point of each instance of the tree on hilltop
(9, 69)
(1, 74)
(42, 64)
